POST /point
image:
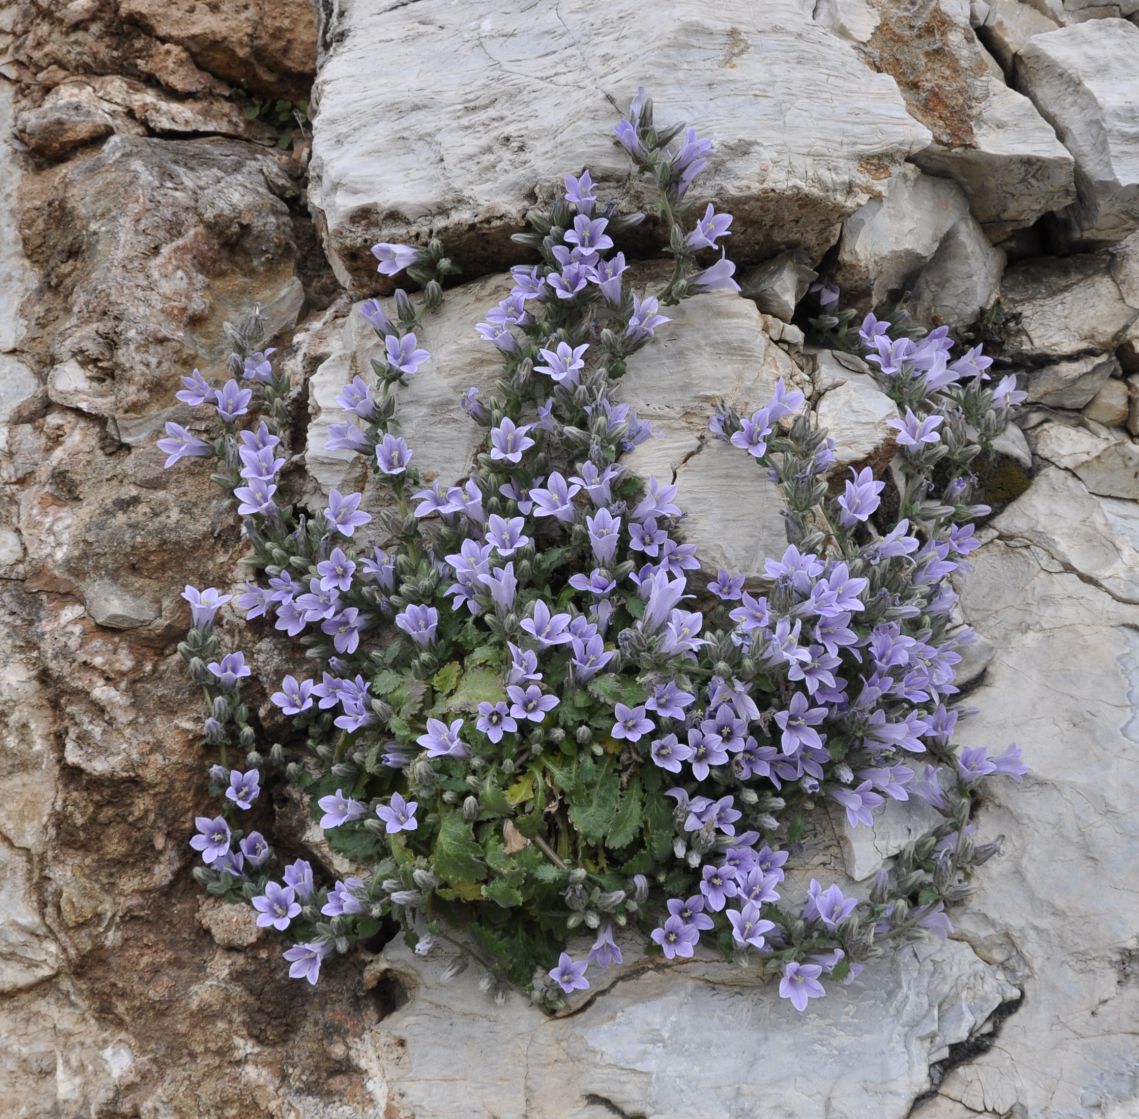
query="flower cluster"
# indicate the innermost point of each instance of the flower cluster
(535, 715)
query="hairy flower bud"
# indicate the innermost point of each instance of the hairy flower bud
(471, 809)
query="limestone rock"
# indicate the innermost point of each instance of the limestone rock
(1072, 383)
(1098, 537)
(1106, 462)
(1063, 686)
(896, 823)
(1060, 307)
(465, 167)
(1081, 78)
(605, 1058)
(851, 19)
(962, 279)
(777, 285)
(854, 413)
(169, 241)
(1013, 171)
(890, 239)
(734, 514)
(1009, 25)
(1133, 411)
(429, 416)
(987, 137)
(1109, 405)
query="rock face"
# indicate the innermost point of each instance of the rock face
(141, 208)
(987, 137)
(465, 166)
(1082, 79)
(165, 243)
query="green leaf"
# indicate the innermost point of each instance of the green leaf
(357, 844)
(493, 802)
(478, 685)
(503, 893)
(522, 790)
(386, 682)
(445, 680)
(616, 689)
(458, 858)
(627, 821)
(596, 797)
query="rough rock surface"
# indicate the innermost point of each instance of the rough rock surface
(124, 994)
(987, 137)
(465, 166)
(147, 248)
(1082, 78)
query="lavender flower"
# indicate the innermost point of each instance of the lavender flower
(676, 938)
(394, 258)
(800, 982)
(399, 815)
(179, 444)
(563, 363)
(230, 669)
(204, 605)
(255, 849)
(530, 703)
(213, 838)
(339, 809)
(276, 907)
(393, 455)
(231, 401)
(244, 788)
(709, 229)
(442, 741)
(508, 441)
(195, 391)
(556, 499)
(568, 975)
(305, 960)
(419, 623)
(343, 514)
(298, 874)
(495, 720)
(402, 353)
(716, 278)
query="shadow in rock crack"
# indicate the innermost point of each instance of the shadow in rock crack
(962, 1052)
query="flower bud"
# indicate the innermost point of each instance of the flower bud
(471, 809)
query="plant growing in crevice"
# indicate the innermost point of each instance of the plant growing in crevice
(535, 716)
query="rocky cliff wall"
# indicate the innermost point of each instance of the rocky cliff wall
(983, 157)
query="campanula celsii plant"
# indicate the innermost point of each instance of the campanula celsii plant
(532, 722)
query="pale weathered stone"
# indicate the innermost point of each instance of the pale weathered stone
(1009, 25)
(465, 166)
(442, 437)
(116, 607)
(1109, 405)
(1106, 462)
(1072, 383)
(962, 279)
(81, 111)
(28, 952)
(865, 850)
(1082, 79)
(1099, 537)
(1013, 171)
(987, 137)
(1133, 408)
(1063, 685)
(777, 285)
(851, 19)
(855, 414)
(606, 1059)
(734, 513)
(890, 239)
(1057, 307)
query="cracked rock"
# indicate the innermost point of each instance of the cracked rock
(1106, 462)
(1082, 79)
(465, 167)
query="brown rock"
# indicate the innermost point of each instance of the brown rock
(147, 247)
(266, 45)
